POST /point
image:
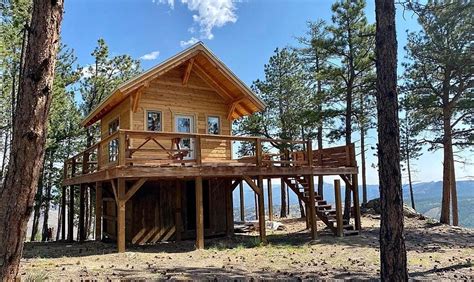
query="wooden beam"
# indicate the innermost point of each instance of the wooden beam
(221, 90)
(135, 188)
(63, 213)
(252, 184)
(242, 205)
(82, 199)
(355, 191)
(261, 212)
(337, 198)
(235, 184)
(312, 206)
(98, 211)
(177, 212)
(70, 227)
(229, 210)
(231, 111)
(187, 72)
(136, 98)
(121, 216)
(114, 190)
(270, 199)
(199, 214)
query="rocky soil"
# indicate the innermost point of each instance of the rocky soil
(434, 252)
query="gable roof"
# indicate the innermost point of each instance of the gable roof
(241, 99)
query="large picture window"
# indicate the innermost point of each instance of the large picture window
(154, 120)
(113, 144)
(213, 125)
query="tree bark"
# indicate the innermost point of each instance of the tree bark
(29, 136)
(47, 200)
(448, 159)
(410, 182)
(320, 147)
(37, 206)
(393, 258)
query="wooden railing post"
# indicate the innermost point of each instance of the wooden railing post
(355, 191)
(197, 148)
(73, 167)
(99, 155)
(121, 148)
(337, 197)
(65, 170)
(258, 151)
(309, 152)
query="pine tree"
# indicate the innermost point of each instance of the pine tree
(284, 92)
(440, 82)
(393, 257)
(352, 46)
(29, 134)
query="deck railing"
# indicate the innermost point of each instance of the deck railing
(144, 148)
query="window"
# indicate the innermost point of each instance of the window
(113, 144)
(213, 125)
(153, 120)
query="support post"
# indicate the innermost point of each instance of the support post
(256, 206)
(261, 211)
(82, 198)
(177, 214)
(63, 213)
(199, 215)
(312, 207)
(258, 152)
(70, 227)
(355, 190)
(98, 211)
(121, 148)
(242, 205)
(121, 215)
(197, 149)
(270, 199)
(337, 197)
(229, 212)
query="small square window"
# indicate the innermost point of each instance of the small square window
(113, 126)
(213, 125)
(153, 120)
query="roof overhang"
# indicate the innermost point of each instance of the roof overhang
(242, 100)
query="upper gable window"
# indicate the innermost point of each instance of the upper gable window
(113, 144)
(154, 120)
(213, 125)
(113, 126)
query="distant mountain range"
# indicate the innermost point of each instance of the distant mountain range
(427, 198)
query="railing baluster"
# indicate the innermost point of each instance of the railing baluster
(309, 152)
(258, 151)
(121, 148)
(197, 147)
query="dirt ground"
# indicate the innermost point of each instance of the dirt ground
(434, 252)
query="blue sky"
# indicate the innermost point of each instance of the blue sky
(243, 34)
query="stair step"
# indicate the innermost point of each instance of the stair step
(348, 227)
(324, 207)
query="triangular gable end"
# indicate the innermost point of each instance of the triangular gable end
(200, 61)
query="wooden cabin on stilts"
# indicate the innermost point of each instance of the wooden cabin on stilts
(164, 168)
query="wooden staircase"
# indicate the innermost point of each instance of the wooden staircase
(324, 211)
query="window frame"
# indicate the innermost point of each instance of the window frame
(146, 120)
(219, 124)
(113, 145)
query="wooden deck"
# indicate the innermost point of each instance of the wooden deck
(125, 160)
(157, 155)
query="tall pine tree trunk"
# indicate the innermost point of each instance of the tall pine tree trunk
(448, 161)
(59, 225)
(410, 183)
(47, 200)
(393, 257)
(348, 133)
(364, 169)
(454, 195)
(320, 147)
(29, 135)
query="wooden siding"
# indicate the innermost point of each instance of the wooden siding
(150, 213)
(167, 95)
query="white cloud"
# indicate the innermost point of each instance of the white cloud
(150, 56)
(189, 42)
(208, 15)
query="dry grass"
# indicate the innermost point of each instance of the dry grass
(434, 252)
